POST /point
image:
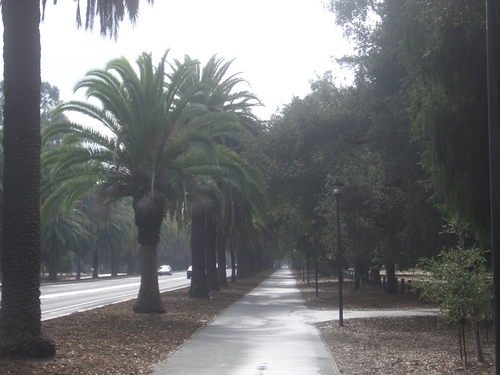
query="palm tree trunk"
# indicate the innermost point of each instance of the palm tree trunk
(130, 262)
(115, 262)
(20, 320)
(221, 259)
(53, 255)
(149, 212)
(199, 288)
(210, 253)
(95, 261)
(233, 260)
(78, 263)
(149, 299)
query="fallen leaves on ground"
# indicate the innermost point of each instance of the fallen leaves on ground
(113, 340)
(394, 346)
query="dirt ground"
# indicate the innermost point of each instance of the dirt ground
(113, 340)
(393, 346)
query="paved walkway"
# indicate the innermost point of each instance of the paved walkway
(268, 332)
(261, 334)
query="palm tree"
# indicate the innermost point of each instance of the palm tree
(142, 150)
(63, 233)
(218, 95)
(20, 324)
(116, 232)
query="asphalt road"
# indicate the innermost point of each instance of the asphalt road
(61, 299)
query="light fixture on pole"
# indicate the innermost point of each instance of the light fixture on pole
(306, 247)
(314, 222)
(337, 188)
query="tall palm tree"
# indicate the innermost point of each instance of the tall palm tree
(219, 95)
(20, 324)
(141, 150)
(63, 233)
(116, 232)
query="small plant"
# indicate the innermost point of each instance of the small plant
(458, 280)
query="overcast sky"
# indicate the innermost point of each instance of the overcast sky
(278, 45)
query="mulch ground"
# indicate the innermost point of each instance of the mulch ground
(394, 346)
(113, 340)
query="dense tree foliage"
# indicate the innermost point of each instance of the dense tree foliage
(408, 137)
(361, 135)
(440, 49)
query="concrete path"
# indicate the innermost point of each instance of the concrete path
(267, 332)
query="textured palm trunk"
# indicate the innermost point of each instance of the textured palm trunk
(53, 255)
(221, 259)
(79, 263)
(115, 262)
(149, 299)
(198, 288)
(95, 261)
(149, 212)
(20, 320)
(233, 260)
(243, 261)
(211, 257)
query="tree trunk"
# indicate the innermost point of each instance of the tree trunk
(210, 253)
(477, 341)
(149, 211)
(95, 261)
(375, 276)
(78, 263)
(53, 259)
(115, 262)
(221, 259)
(199, 288)
(233, 262)
(130, 263)
(149, 299)
(392, 283)
(357, 277)
(20, 321)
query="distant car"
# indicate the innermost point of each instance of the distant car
(189, 272)
(165, 270)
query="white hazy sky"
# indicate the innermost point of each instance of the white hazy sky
(278, 45)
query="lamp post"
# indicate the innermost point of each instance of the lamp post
(314, 222)
(306, 246)
(337, 187)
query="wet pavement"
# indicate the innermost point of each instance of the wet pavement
(263, 333)
(268, 332)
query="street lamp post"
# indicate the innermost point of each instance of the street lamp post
(307, 257)
(314, 222)
(337, 187)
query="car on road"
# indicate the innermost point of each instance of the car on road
(189, 272)
(165, 270)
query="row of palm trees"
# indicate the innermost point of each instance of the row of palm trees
(170, 138)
